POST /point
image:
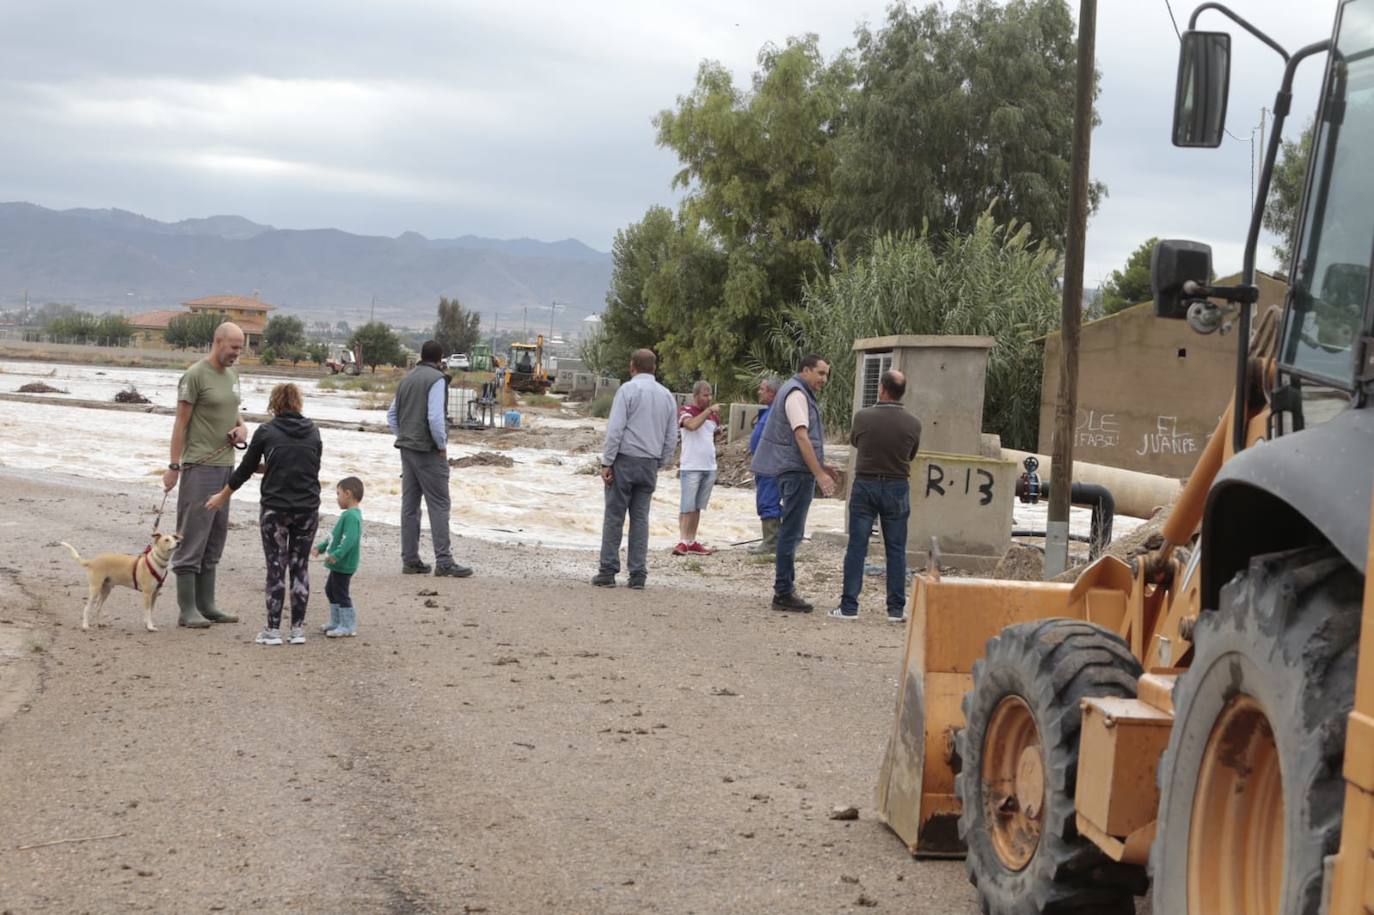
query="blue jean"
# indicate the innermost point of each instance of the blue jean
(796, 490)
(890, 502)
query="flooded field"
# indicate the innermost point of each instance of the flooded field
(542, 499)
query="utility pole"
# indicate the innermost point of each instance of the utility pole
(1066, 410)
(526, 326)
(553, 310)
(372, 315)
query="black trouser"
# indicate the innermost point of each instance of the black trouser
(336, 589)
(287, 538)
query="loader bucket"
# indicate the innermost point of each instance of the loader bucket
(950, 623)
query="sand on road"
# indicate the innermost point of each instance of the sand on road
(517, 741)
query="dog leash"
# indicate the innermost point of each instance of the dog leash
(240, 446)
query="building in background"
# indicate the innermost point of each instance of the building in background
(1150, 389)
(248, 312)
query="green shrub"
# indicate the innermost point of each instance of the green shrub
(996, 281)
(601, 406)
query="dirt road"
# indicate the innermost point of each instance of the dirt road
(514, 742)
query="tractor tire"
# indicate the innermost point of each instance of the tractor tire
(1019, 751)
(1250, 785)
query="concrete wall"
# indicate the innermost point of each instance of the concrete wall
(740, 425)
(945, 381)
(606, 386)
(1150, 390)
(964, 501)
(584, 383)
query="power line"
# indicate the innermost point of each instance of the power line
(1170, 8)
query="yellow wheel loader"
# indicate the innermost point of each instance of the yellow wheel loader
(1199, 721)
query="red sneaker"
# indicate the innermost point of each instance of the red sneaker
(681, 549)
(695, 547)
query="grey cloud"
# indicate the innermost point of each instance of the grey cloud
(503, 118)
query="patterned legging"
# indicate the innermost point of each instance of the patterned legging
(287, 538)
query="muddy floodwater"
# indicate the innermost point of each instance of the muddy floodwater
(541, 499)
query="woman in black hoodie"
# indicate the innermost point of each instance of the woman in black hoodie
(290, 505)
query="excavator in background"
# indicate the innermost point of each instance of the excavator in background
(524, 368)
(350, 362)
(1200, 718)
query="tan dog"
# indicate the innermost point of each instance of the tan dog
(144, 572)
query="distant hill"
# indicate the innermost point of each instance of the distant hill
(116, 260)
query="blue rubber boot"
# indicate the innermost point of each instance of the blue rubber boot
(348, 624)
(333, 620)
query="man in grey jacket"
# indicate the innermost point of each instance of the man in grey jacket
(419, 419)
(641, 436)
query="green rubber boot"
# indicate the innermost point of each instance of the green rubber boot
(186, 601)
(769, 543)
(205, 599)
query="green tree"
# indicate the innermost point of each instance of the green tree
(193, 331)
(317, 353)
(995, 281)
(113, 329)
(1130, 285)
(284, 334)
(1285, 195)
(756, 166)
(457, 328)
(958, 113)
(71, 327)
(637, 254)
(380, 345)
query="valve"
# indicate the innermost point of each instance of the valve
(1028, 486)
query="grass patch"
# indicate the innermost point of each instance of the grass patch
(601, 406)
(692, 565)
(35, 643)
(364, 384)
(540, 400)
(765, 560)
(374, 400)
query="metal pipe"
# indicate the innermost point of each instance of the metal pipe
(1099, 498)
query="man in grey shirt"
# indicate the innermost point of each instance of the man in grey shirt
(641, 436)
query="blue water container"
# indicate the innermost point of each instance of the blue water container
(512, 419)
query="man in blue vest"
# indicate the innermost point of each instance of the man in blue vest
(419, 419)
(792, 450)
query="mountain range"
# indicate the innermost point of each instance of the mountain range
(114, 260)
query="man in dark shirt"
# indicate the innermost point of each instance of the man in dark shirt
(886, 438)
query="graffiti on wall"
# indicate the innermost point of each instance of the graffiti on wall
(1095, 429)
(1103, 430)
(1167, 439)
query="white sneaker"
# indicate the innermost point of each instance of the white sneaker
(269, 637)
(297, 635)
(839, 614)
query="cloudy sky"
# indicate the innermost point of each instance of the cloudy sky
(511, 118)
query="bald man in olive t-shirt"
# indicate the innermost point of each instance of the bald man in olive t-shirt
(207, 424)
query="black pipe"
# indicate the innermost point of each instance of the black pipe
(1104, 510)
(1031, 489)
(1076, 538)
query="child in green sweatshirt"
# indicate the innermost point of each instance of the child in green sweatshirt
(343, 545)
